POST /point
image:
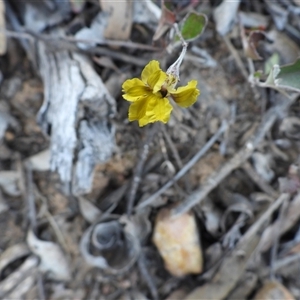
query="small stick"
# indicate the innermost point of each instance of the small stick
(236, 57)
(147, 277)
(176, 156)
(172, 147)
(235, 162)
(260, 182)
(27, 34)
(274, 248)
(30, 200)
(187, 167)
(139, 169)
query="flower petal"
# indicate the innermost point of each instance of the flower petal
(187, 95)
(137, 112)
(134, 90)
(158, 109)
(149, 69)
(156, 80)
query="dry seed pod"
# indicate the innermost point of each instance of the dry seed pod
(273, 290)
(178, 243)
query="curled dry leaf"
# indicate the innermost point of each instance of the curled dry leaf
(23, 287)
(20, 274)
(250, 44)
(167, 19)
(52, 259)
(13, 253)
(273, 290)
(88, 210)
(138, 225)
(211, 215)
(240, 205)
(110, 247)
(177, 240)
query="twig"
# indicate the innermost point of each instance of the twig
(187, 167)
(274, 248)
(60, 237)
(30, 200)
(139, 168)
(27, 34)
(172, 147)
(147, 276)
(259, 181)
(176, 155)
(235, 162)
(236, 57)
(68, 44)
(280, 264)
(40, 286)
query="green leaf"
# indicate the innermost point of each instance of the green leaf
(192, 26)
(272, 60)
(287, 77)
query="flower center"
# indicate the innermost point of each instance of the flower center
(163, 92)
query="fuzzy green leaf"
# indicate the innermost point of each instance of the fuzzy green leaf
(287, 76)
(192, 26)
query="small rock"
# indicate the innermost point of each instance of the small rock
(177, 240)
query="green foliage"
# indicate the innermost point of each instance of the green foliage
(192, 26)
(287, 77)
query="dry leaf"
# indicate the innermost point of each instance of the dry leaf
(88, 210)
(251, 43)
(120, 20)
(53, 260)
(18, 275)
(12, 254)
(167, 19)
(177, 240)
(273, 290)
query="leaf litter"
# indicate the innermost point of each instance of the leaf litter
(83, 191)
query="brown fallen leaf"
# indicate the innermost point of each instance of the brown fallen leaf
(177, 240)
(273, 290)
(251, 42)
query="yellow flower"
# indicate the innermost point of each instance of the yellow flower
(149, 95)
